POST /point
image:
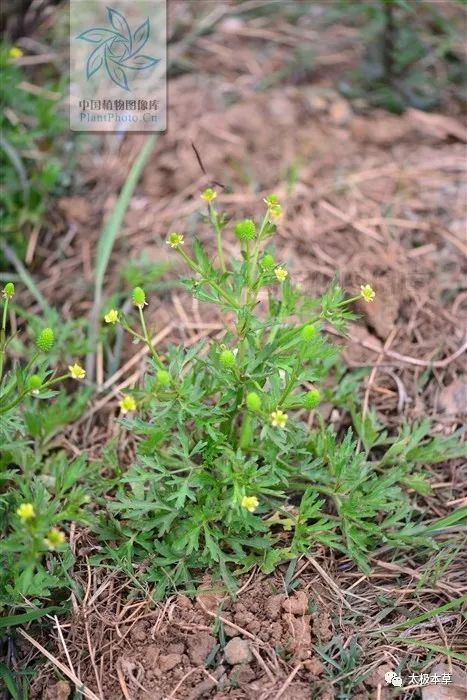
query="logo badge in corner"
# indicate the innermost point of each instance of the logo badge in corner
(118, 62)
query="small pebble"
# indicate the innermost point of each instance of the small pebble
(237, 651)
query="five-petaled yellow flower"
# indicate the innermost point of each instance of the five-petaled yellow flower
(175, 240)
(26, 511)
(279, 419)
(15, 52)
(367, 293)
(112, 316)
(250, 503)
(76, 371)
(209, 194)
(281, 273)
(54, 539)
(127, 404)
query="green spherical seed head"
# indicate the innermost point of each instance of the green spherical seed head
(9, 290)
(34, 382)
(311, 399)
(308, 332)
(163, 377)
(245, 230)
(268, 262)
(227, 358)
(138, 297)
(253, 401)
(45, 340)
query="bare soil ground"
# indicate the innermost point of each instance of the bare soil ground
(368, 196)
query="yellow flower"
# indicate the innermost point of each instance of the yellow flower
(175, 240)
(127, 404)
(55, 537)
(112, 316)
(279, 419)
(209, 194)
(76, 371)
(367, 293)
(281, 273)
(15, 52)
(250, 503)
(25, 511)
(275, 212)
(272, 200)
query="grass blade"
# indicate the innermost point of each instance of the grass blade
(7, 677)
(25, 277)
(426, 616)
(21, 619)
(432, 647)
(108, 237)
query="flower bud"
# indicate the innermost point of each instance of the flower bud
(139, 297)
(227, 358)
(34, 382)
(8, 290)
(311, 399)
(253, 401)
(163, 377)
(245, 230)
(45, 340)
(308, 332)
(267, 263)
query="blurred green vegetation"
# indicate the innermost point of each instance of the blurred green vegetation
(31, 150)
(412, 53)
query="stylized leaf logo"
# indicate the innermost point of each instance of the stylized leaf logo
(118, 49)
(140, 62)
(119, 23)
(95, 61)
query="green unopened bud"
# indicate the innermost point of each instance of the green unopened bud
(8, 290)
(253, 401)
(34, 382)
(45, 340)
(311, 399)
(245, 230)
(163, 377)
(139, 297)
(268, 262)
(308, 332)
(227, 358)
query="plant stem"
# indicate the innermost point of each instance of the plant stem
(218, 231)
(193, 266)
(2, 336)
(32, 361)
(15, 402)
(254, 261)
(147, 339)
